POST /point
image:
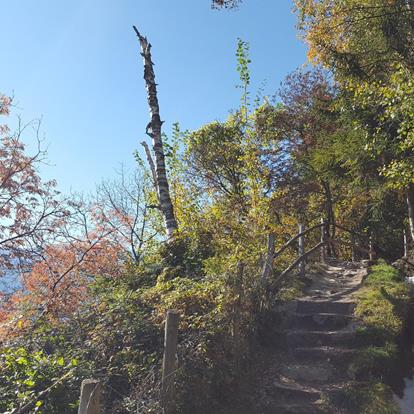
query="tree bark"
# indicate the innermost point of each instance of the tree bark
(154, 131)
(410, 204)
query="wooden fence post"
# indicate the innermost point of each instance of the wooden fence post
(371, 248)
(301, 250)
(354, 258)
(169, 362)
(90, 398)
(237, 313)
(323, 240)
(405, 242)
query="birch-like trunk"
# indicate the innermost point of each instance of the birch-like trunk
(410, 204)
(154, 131)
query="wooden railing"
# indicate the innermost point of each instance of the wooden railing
(325, 245)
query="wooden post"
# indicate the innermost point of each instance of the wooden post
(405, 236)
(354, 259)
(371, 248)
(237, 313)
(169, 362)
(90, 398)
(301, 250)
(323, 240)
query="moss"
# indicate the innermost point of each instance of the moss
(374, 361)
(293, 288)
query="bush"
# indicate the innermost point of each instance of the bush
(25, 374)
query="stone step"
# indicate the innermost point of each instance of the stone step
(334, 355)
(304, 338)
(324, 306)
(292, 392)
(294, 409)
(317, 373)
(319, 321)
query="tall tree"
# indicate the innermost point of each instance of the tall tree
(30, 212)
(369, 47)
(154, 132)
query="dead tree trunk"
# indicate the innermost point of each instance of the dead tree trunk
(410, 204)
(154, 132)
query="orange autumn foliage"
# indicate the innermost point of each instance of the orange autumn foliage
(57, 285)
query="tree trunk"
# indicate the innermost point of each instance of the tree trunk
(154, 131)
(410, 204)
(268, 261)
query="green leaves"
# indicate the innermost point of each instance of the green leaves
(370, 52)
(24, 374)
(243, 62)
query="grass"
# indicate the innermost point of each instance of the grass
(383, 301)
(370, 398)
(382, 308)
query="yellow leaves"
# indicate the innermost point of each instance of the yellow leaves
(400, 173)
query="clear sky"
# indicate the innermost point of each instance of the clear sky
(76, 64)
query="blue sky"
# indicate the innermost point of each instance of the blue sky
(76, 64)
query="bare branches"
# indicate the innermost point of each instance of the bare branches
(29, 207)
(124, 206)
(151, 164)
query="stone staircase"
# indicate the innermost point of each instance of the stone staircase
(319, 333)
